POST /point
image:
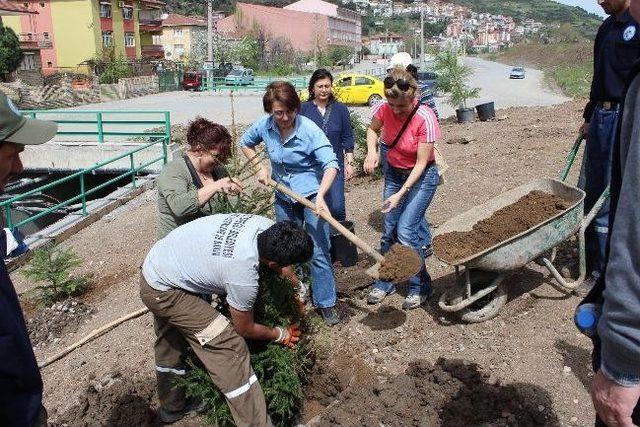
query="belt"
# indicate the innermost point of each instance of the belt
(609, 105)
(406, 172)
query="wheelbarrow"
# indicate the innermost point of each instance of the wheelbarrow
(479, 292)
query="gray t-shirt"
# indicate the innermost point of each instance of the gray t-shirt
(217, 254)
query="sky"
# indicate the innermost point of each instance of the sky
(588, 5)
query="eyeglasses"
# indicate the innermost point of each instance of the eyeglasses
(280, 114)
(402, 84)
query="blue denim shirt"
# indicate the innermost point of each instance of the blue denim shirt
(301, 160)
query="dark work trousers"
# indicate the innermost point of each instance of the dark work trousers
(600, 141)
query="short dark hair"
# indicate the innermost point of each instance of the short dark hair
(319, 74)
(209, 135)
(282, 92)
(285, 243)
(413, 70)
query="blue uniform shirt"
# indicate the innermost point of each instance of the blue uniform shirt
(616, 48)
(338, 128)
(300, 161)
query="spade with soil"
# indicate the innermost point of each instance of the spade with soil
(400, 263)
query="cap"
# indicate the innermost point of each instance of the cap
(16, 128)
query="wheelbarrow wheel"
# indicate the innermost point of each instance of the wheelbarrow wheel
(486, 307)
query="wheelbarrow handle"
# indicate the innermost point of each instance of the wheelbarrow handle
(331, 220)
(571, 157)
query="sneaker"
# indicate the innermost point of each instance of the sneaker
(329, 315)
(414, 301)
(427, 251)
(377, 295)
(586, 286)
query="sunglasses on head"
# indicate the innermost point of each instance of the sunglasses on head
(402, 84)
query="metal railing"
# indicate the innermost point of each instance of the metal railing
(257, 84)
(102, 124)
(84, 193)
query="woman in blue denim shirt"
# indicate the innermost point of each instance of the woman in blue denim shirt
(410, 175)
(333, 118)
(302, 159)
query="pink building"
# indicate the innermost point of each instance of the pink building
(307, 24)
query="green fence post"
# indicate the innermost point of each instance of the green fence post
(133, 170)
(84, 196)
(32, 114)
(100, 128)
(7, 214)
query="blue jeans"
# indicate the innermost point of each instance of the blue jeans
(323, 284)
(402, 224)
(600, 140)
(335, 196)
(425, 230)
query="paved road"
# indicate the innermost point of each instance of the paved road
(491, 77)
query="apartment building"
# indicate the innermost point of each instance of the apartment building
(70, 32)
(183, 35)
(308, 24)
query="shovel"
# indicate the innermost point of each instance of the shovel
(372, 271)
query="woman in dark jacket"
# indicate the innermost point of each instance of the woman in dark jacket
(333, 118)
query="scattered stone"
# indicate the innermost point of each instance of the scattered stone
(566, 370)
(52, 323)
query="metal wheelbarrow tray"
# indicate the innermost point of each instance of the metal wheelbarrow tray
(479, 292)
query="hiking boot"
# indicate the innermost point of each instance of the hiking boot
(414, 301)
(377, 295)
(329, 315)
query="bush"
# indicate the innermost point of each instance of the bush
(10, 53)
(53, 266)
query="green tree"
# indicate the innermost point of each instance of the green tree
(453, 78)
(10, 53)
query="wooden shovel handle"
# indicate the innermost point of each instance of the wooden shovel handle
(331, 220)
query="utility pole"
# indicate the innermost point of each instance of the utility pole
(209, 43)
(421, 35)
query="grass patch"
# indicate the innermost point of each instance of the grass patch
(575, 81)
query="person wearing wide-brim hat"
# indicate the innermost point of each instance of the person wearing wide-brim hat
(20, 380)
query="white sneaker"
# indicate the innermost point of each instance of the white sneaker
(414, 301)
(376, 296)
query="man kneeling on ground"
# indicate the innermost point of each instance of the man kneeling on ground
(218, 254)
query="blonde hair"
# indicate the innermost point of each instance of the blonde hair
(395, 92)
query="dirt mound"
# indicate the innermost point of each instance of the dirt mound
(529, 211)
(53, 322)
(400, 263)
(114, 400)
(448, 393)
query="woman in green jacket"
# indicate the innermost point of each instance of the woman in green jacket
(187, 184)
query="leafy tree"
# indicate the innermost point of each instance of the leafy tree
(111, 68)
(453, 78)
(10, 53)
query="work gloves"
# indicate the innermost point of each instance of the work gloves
(289, 335)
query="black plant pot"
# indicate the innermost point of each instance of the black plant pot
(342, 249)
(486, 111)
(465, 115)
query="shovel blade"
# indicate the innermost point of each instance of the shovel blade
(374, 271)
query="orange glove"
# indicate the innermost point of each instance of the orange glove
(289, 336)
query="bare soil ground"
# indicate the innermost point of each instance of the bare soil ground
(529, 366)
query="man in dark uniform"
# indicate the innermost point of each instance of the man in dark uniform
(617, 46)
(20, 381)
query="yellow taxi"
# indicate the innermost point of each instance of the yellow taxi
(354, 88)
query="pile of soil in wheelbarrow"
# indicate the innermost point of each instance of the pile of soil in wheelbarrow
(400, 263)
(447, 393)
(529, 211)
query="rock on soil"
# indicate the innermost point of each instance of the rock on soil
(53, 322)
(447, 393)
(529, 211)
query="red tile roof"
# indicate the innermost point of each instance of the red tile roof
(155, 3)
(175, 20)
(12, 9)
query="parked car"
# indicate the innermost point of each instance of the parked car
(192, 80)
(358, 89)
(239, 77)
(517, 73)
(427, 79)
